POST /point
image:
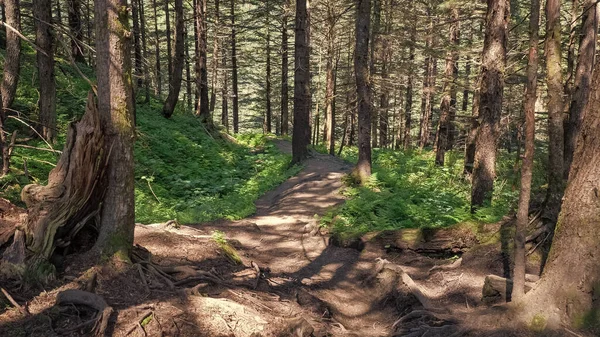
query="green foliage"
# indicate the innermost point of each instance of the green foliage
(181, 171)
(407, 190)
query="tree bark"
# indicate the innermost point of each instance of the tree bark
(568, 289)
(490, 101)
(158, 87)
(428, 84)
(203, 110)
(268, 113)
(137, 45)
(42, 11)
(302, 96)
(518, 290)
(215, 60)
(116, 108)
(188, 71)
(144, 50)
(448, 105)
(407, 141)
(556, 144)
(168, 35)
(178, 61)
(234, 73)
(375, 31)
(582, 80)
(330, 82)
(224, 89)
(363, 94)
(13, 53)
(284, 70)
(74, 9)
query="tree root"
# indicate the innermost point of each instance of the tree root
(22, 309)
(80, 297)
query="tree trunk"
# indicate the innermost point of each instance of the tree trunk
(116, 107)
(224, 89)
(158, 87)
(215, 60)
(582, 81)
(568, 289)
(268, 113)
(573, 32)
(203, 111)
(284, 70)
(42, 11)
(518, 290)
(363, 94)
(178, 60)
(234, 73)
(407, 142)
(301, 130)
(13, 53)
(188, 71)
(556, 144)
(137, 45)
(374, 112)
(448, 105)
(490, 101)
(428, 85)
(74, 9)
(144, 50)
(168, 35)
(330, 83)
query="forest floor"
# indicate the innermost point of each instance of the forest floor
(276, 274)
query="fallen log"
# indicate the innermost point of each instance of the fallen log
(498, 289)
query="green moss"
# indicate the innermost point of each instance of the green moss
(219, 238)
(538, 323)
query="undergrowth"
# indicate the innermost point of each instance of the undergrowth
(181, 172)
(407, 190)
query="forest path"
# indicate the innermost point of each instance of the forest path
(283, 236)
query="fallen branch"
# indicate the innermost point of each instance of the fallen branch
(453, 265)
(21, 308)
(138, 322)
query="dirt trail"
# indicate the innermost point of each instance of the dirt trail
(284, 240)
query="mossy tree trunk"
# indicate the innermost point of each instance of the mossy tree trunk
(363, 94)
(116, 107)
(570, 284)
(44, 39)
(302, 96)
(13, 53)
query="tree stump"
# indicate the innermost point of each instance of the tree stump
(57, 212)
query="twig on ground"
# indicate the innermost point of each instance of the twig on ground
(19, 307)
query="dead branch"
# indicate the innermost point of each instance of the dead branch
(22, 309)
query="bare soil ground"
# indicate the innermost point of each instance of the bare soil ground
(290, 282)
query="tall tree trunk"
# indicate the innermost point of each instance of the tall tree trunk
(74, 8)
(13, 53)
(116, 108)
(448, 105)
(582, 81)
(89, 29)
(234, 73)
(284, 70)
(158, 87)
(42, 12)
(203, 110)
(268, 112)
(490, 100)
(428, 84)
(568, 289)
(224, 89)
(374, 112)
(215, 60)
(144, 49)
(137, 45)
(188, 71)
(363, 94)
(518, 290)
(556, 144)
(168, 35)
(301, 130)
(330, 83)
(573, 33)
(409, 84)
(178, 60)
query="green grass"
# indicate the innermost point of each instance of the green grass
(407, 190)
(181, 171)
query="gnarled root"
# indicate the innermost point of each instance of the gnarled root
(84, 298)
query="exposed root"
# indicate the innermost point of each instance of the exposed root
(22, 309)
(454, 265)
(138, 322)
(80, 297)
